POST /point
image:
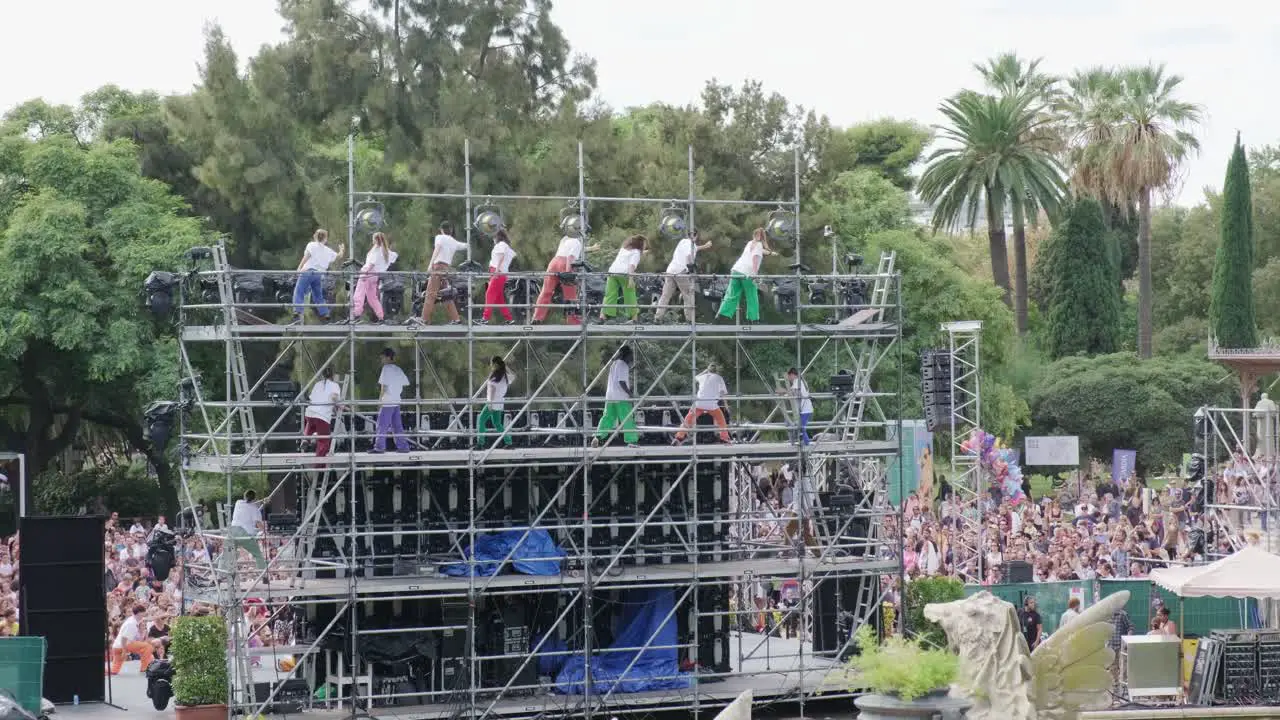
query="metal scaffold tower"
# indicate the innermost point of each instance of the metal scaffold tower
(556, 565)
(967, 478)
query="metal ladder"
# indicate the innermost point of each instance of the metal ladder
(865, 361)
(231, 318)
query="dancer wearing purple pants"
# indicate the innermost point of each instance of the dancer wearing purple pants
(391, 383)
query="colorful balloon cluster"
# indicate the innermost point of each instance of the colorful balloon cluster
(1000, 461)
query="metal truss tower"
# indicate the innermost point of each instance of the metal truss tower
(967, 478)
(1222, 434)
(421, 551)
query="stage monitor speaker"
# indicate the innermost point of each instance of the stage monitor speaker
(1017, 571)
(835, 601)
(62, 599)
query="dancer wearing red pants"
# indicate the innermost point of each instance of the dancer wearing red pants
(569, 252)
(495, 296)
(376, 262)
(317, 419)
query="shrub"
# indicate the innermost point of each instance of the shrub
(902, 668)
(199, 651)
(921, 592)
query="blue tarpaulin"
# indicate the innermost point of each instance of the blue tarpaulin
(537, 554)
(646, 619)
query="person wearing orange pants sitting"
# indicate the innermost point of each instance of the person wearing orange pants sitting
(711, 388)
(132, 640)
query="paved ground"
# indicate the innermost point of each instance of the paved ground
(129, 691)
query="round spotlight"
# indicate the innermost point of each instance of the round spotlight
(370, 216)
(488, 221)
(780, 227)
(673, 225)
(573, 222)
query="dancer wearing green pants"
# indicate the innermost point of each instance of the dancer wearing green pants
(621, 280)
(246, 521)
(742, 284)
(617, 402)
(496, 385)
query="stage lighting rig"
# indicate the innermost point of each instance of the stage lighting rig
(370, 216)
(573, 221)
(488, 220)
(196, 254)
(842, 384)
(674, 224)
(780, 227)
(248, 287)
(158, 420)
(158, 290)
(281, 392)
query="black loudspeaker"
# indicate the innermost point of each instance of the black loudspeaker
(1017, 571)
(834, 601)
(63, 601)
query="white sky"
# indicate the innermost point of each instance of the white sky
(850, 60)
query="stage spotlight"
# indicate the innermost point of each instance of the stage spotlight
(281, 392)
(488, 220)
(573, 221)
(188, 390)
(158, 288)
(780, 228)
(248, 288)
(673, 225)
(196, 254)
(158, 420)
(1195, 469)
(370, 216)
(842, 384)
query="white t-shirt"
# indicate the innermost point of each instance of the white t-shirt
(377, 261)
(1067, 616)
(323, 396)
(711, 388)
(626, 261)
(619, 373)
(800, 391)
(319, 257)
(130, 631)
(683, 257)
(496, 392)
(446, 247)
(746, 264)
(393, 382)
(501, 256)
(246, 516)
(570, 248)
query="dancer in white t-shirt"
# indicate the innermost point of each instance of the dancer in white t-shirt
(376, 262)
(618, 408)
(391, 383)
(711, 389)
(622, 279)
(496, 386)
(495, 295)
(569, 252)
(677, 276)
(742, 284)
(442, 254)
(317, 419)
(798, 391)
(316, 260)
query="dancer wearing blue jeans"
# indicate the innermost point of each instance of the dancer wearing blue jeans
(799, 393)
(316, 260)
(391, 383)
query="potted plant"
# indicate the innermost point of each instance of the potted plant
(907, 680)
(199, 651)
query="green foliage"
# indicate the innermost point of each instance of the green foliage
(861, 202)
(127, 489)
(1231, 306)
(901, 668)
(923, 591)
(1082, 307)
(199, 652)
(886, 146)
(1116, 401)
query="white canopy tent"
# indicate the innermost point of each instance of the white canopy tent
(1250, 573)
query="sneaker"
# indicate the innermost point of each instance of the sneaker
(482, 321)
(633, 445)
(455, 322)
(595, 442)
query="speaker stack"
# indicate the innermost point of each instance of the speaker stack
(935, 388)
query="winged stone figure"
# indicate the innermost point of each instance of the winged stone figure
(1068, 673)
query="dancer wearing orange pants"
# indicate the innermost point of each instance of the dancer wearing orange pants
(132, 640)
(711, 388)
(569, 252)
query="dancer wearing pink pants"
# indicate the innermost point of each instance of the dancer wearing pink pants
(376, 262)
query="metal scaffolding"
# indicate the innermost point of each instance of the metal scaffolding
(1239, 446)
(964, 340)
(384, 545)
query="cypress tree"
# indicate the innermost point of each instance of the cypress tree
(1231, 305)
(1083, 310)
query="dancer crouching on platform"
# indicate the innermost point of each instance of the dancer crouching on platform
(496, 386)
(446, 246)
(376, 262)
(622, 279)
(711, 389)
(617, 402)
(316, 260)
(318, 418)
(742, 282)
(678, 276)
(495, 295)
(569, 252)
(391, 383)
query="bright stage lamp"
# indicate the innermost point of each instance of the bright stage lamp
(780, 228)
(370, 216)
(673, 225)
(488, 221)
(573, 222)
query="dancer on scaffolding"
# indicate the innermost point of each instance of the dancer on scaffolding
(711, 389)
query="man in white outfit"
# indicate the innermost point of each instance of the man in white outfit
(246, 522)
(678, 276)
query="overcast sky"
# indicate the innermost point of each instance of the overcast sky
(852, 60)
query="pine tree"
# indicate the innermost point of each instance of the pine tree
(1231, 305)
(1082, 308)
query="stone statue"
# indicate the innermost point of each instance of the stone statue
(1068, 673)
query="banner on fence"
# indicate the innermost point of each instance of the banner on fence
(1123, 463)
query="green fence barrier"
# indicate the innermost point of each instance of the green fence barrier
(1195, 616)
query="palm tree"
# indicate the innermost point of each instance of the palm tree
(1008, 75)
(995, 150)
(1131, 136)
